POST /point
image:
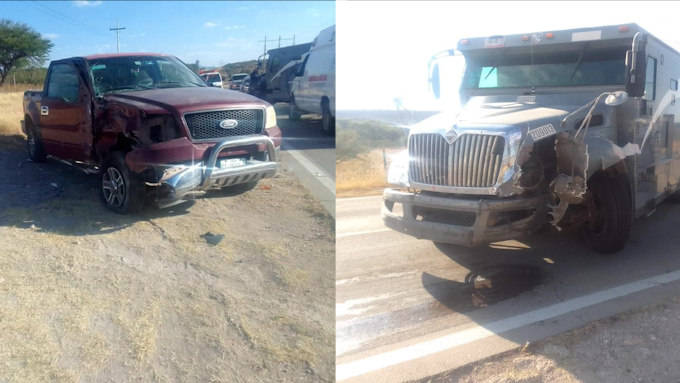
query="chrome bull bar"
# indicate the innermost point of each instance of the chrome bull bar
(182, 180)
(248, 172)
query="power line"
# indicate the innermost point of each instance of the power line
(316, 28)
(64, 18)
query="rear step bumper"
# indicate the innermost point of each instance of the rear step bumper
(180, 181)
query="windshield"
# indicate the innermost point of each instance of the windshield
(214, 78)
(238, 77)
(573, 68)
(129, 74)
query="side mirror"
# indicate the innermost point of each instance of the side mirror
(636, 68)
(434, 80)
(616, 99)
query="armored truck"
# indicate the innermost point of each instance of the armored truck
(573, 128)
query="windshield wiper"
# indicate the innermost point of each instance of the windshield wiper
(168, 82)
(495, 65)
(578, 63)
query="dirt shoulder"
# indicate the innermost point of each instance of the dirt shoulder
(638, 346)
(87, 295)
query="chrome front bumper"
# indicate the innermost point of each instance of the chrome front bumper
(178, 181)
(481, 210)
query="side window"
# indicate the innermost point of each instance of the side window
(650, 79)
(276, 63)
(674, 84)
(64, 83)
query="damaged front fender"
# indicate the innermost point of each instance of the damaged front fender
(577, 161)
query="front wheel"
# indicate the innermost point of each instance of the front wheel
(121, 190)
(611, 218)
(327, 119)
(293, 114)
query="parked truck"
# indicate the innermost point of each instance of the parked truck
(151, 128)
(534, 144)
(278, 72)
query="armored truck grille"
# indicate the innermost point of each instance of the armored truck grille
(473, 160)
(206, 125)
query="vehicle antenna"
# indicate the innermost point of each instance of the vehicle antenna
(533, 88)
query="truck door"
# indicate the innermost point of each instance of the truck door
(647, 110)
(65, 114)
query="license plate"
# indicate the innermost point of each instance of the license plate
(232, 163)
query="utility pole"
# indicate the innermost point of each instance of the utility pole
(264, 53)
(117, 29)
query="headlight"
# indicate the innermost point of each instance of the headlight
(398, 171)
(270, 119)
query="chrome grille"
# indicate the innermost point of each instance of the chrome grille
(206, 125)
(473, 160)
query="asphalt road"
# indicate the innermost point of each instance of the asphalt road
(310, 154)
(407, 309)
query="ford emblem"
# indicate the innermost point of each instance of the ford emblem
(228, 124)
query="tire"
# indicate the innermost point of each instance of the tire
(240, 188)
(34, 145)
(609, 230)
(327, 120)
(293, 114)
(127, 194)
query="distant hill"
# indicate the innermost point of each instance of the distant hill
(240, 67)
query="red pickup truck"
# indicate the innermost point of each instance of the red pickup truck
(151, 127)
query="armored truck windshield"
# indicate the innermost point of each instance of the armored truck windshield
(546, 69)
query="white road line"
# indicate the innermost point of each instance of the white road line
(409, 353)
(360, 233)
(360, 198)
(307, 163)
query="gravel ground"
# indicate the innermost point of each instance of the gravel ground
(87, 295)
(639, 346)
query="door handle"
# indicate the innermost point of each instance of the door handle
(44, 111)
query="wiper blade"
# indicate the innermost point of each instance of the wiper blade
(578, 63)
(495, 65)
(167, 82)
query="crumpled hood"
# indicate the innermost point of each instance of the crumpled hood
(493, 112)
(182, 100)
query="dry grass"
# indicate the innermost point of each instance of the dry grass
(21, 88)
(363, 176)
(11, 112)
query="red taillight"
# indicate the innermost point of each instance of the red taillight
(549, 35)
(464, 42)
(525, 38)
(623, 28)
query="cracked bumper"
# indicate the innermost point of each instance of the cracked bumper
(463, 220)
(179, 181)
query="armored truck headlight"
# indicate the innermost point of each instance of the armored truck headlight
(270, 118)
(397, 174)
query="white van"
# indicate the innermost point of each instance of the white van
(313, 88)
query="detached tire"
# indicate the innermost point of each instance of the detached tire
(121, 190)
(34, 144)
(327, 120)
(293, 114)
(609, 229)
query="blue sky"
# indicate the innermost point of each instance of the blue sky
(214, 32)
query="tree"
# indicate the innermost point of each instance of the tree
(20, 46)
